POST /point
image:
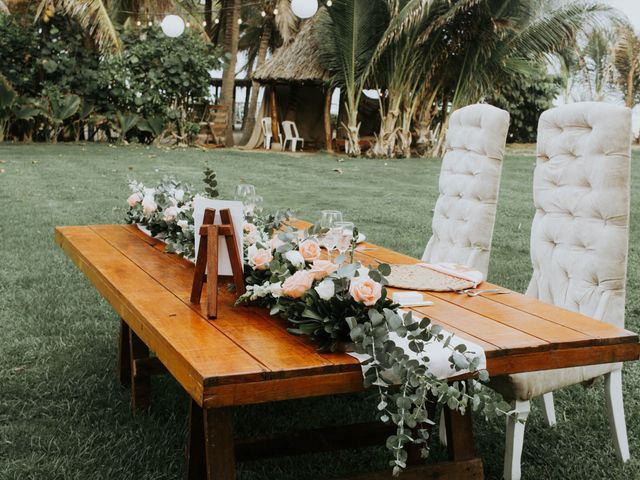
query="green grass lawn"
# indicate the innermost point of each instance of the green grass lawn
(62, 414)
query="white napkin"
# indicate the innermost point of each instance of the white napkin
(439, 364)
(456, 270)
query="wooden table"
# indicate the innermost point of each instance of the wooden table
(246, 356)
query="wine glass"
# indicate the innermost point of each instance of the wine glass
(258, 202)
(244, 191)
(345, 236)
(329, 238)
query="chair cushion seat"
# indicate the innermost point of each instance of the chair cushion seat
(525, 386)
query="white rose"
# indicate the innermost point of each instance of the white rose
(183, 224)
(363, 272)
(326, 289)
(134, 199)
(149, 192)
(170, 214)
(149, 205)
(179, 195)
(275, 289)
(296, 258)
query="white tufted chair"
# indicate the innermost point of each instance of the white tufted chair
(469, 182)
(579, 244)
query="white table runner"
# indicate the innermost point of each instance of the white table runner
(439, 364)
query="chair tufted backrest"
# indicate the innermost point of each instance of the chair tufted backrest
(469, 182)
(580, 232)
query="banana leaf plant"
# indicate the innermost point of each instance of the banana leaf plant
(124, 123)
(56, 109)
(8, 97)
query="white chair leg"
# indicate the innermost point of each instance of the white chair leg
(548, 409)
(294, 143)
(267, 143)
(442, 429)
(515, 439)
(615, 408)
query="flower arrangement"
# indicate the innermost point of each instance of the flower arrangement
(341, 305)
(345, 306)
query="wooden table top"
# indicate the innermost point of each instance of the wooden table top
(246, 356)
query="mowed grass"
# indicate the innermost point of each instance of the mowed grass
(62, 414)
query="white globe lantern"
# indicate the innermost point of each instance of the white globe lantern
(304, 8)
(172, 26)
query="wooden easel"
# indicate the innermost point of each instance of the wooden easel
(207, 259)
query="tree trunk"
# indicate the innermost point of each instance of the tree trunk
(328, 143)
(629, 96)
(385, 144)
(250, 114)
(208, 17)
(231, 35)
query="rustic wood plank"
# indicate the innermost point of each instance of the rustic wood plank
(219, 444)
(140, 380)
(324, 439)
(283, 389)
(124, 355)
(184, 342)
(264, 337)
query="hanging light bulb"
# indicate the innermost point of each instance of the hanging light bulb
(263, 13)
(304, 8)
(217, 21)
(150, 23)
(239, 21)
(204, 24)
(188, 24)
(172, 26)
(138, 23)
(329, 3)
(275, 11)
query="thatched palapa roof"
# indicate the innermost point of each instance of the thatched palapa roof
(296, 62)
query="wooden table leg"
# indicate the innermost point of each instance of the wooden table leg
(124, 355)
(211, 449)
(140, 379)
(459, 435)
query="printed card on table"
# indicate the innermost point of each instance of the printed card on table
(199, 205)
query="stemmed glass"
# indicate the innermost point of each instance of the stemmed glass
(328, 222)
(345, 236)
(246, 194)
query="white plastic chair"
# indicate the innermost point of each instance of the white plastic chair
(469, 182)
(291, 135)
(267, 132)
(579, 246)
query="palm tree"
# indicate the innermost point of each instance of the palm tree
(264, 34)
(597, 59)
(231, 16)
(436, 51)
(348, 33)
(627, 63)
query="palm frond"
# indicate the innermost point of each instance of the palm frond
(3, 7)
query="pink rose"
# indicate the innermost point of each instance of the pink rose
(297, 284)
(310, 250)
(134, 199)
(322, 268)
(365, 290)
(260, 258)
(249, 227)
(250, 233)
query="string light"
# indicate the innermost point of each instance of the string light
(329, 3)
(188, 24)
(138, 23)
(263, 13)
(150, 24)
(239, 21)
(204, 24)
(275, 11)
(217, 21)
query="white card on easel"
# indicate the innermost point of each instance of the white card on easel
(200, 204)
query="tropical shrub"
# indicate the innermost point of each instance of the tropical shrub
(525, 96)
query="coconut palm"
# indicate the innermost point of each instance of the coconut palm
(627, 63)
(263, 34)
(348, 33)
(456, 51)
(231, 17)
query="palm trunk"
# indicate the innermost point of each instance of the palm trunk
(231, 35)
(385, 144)
(250, 115)
(628, 100)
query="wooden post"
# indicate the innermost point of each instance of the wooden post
(274, 115)
(212, 270)
(124, 355)
(328, 140)
(140, 381)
